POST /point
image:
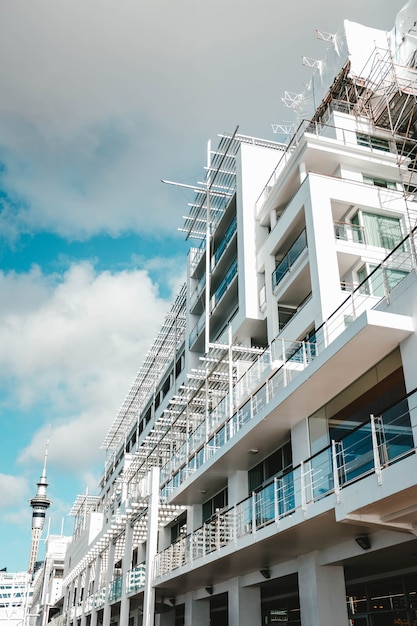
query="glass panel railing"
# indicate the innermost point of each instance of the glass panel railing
(224, 242)
(224, 285)
(136, 578)
(346, 231)
(284, 266)
(115, 589)
(282, 362)
(375, 444)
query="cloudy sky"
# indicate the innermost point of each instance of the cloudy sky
(100, 100)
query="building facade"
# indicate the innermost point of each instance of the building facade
(263, 467)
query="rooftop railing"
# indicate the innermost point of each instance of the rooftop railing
(343, 136)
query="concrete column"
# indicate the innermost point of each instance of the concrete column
(197, 612)
(71, 602)
(237, 487)
(77, 595)
(97, 572)
(322, 593)
(151, 547)
(244, 605)
(85, 595)
(302, 171)
(109, 578)
(126, 566)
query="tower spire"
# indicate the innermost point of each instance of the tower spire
(39, 503)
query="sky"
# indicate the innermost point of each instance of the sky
(100, 100)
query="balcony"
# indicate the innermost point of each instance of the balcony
(136, 578)
(287, 262)
(115, 589)
(230, 232)
(353, 339)
(224, 285)
(346, 231)
(369, 450)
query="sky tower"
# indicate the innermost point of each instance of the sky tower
(40, 503)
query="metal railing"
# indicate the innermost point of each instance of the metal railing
(343, 136)
(136, 578)
(279, 365)
(368, 449)
(286, 263)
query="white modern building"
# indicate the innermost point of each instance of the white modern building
(15, 598)
(263, 467)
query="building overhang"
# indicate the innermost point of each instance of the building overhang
(365, 342)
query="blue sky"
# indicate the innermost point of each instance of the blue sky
(100, 101)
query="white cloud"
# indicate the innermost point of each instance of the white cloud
(13, 489)
(73, 344)
(102, 99)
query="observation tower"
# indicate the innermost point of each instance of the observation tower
(40, 503)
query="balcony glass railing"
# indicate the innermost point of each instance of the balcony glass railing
(224, 285)
(136, 578)
(115, 589)
(345, 231)
(224, 242)
(285, 265)
(371, 447)
(274, 370)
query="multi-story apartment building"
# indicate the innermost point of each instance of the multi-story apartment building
(15, 598)
(263, 467)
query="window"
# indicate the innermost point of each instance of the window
(380, 182)
(218, 502)
(381, 280)
(374, 143)
(179, 529)
(380, 231)
(274, 465)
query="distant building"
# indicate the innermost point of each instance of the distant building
(15, 598)
(263, 467)
(47, 583)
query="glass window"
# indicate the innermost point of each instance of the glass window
(215, 504)
(375, 143)
(274, 465)
(382, 231)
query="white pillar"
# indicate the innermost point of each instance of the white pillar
(151, 547)
(197, 612)
(237, 486)
(244, 605)
(126, 567)
(109, 578)
(322, 593)
(97, 575)
(85, 595)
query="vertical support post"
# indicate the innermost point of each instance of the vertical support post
(276, 504)
(335, 472)
(109, 578)
(231, 399)
(253, 512)
(303, 488)
(151, 547)
(377, 462)
(126, 566)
